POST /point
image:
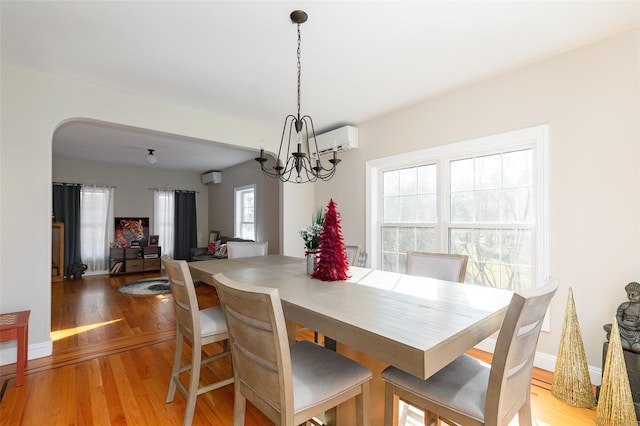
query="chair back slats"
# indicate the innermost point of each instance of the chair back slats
(511, 368)
(353, 254)
(236, 249)
(184, 297)
(442, 266)
(257, 334)
(255, 368)
(259, 345)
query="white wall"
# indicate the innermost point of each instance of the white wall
(132, 196)
(297, 208)
(222, 199)
(33, 106)
(282, 208)
(590, 99)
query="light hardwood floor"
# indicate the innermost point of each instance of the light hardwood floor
(111, 364)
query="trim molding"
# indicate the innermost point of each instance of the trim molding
(9, 355)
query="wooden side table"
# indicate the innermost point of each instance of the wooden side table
(15, 326)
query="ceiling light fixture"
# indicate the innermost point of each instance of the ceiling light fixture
(151, 159)
(297, 166)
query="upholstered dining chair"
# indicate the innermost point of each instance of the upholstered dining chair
(443, 266)
(199, 327)
(237, 249)
(289, 384)
(470, 392)
(353, 254)
(362, 259)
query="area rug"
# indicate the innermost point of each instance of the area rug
(148, 286)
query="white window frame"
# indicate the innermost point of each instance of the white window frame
(536, 136)
(238, 208)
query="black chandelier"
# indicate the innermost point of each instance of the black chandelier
(298, 166)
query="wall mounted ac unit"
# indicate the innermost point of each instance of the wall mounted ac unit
(212, 177)
(343, 138)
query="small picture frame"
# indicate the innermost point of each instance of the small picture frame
(214, 236)
(153, 240)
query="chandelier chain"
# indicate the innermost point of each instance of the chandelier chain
(301, 164)
(299, 69)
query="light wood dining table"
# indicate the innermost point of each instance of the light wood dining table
(379, 318)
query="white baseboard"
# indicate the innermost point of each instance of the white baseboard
(544, 361)
(9, 353)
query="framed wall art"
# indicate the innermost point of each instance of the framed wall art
(131, 231)
(153, 240)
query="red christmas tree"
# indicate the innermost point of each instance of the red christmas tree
(333, 264)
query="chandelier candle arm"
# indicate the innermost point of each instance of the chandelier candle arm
(298, 165)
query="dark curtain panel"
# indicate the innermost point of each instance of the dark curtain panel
(66, 209)
(186, 224)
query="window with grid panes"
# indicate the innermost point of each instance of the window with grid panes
(483, 198)
(245, 226)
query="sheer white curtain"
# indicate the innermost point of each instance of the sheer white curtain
(164, 214)
(96, 227)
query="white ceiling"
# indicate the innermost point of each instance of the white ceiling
(360, 59)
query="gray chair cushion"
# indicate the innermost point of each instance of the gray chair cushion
(461, 385)
(212, 321)
(320, 373)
